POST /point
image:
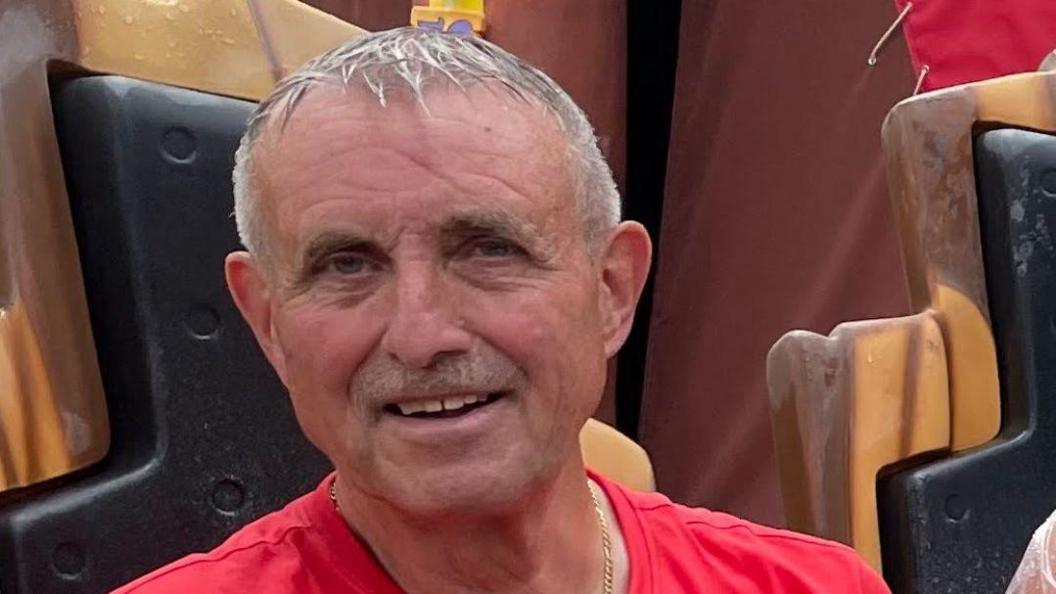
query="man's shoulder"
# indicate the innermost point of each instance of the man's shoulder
(253, 553)
(772, 558)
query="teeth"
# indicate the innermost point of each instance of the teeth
(433, 406)
(409, 408)
(454, 403)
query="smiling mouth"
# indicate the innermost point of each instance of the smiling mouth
(443, 408)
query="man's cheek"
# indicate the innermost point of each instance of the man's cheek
(321, 355)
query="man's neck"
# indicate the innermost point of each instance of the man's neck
(552, 542)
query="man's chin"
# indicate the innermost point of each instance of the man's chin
(460, 489)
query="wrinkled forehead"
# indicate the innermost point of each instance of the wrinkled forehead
(480, 131)
(483, 108)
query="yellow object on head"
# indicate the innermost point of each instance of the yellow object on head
(453, 16)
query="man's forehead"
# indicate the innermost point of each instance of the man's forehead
(481, 128)
(356, 148)
(479, 108)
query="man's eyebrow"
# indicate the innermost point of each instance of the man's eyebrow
(493, 223)
(331, 241)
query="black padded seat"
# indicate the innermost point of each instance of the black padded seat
(203, 436)
(961, 524)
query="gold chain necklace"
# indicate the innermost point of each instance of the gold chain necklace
(606, 539)
(606, 542)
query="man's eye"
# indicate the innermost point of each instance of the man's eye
(348, 264)
(494, 248)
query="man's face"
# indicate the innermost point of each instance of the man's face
(431, 260)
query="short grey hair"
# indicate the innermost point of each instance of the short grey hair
(411, 59)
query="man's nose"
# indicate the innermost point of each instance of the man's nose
(425, 325)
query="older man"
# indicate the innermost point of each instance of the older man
(436, 269)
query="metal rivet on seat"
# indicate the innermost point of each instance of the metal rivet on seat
(955, 508)
(1048, 182)
(68, 559)
(228, 496)
(202, 321)
(179, 145)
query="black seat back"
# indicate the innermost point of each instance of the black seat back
(961, 524)
(203, 437)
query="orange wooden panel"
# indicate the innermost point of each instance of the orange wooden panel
(928, 144)
(615, 456)
(844, 407)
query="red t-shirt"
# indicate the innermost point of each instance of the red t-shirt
(307, 548)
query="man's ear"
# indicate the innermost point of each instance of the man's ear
(250, 289)
(624, 266)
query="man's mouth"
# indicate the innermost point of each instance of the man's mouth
(443, 408)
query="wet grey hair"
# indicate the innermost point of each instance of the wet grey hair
(411, 59)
